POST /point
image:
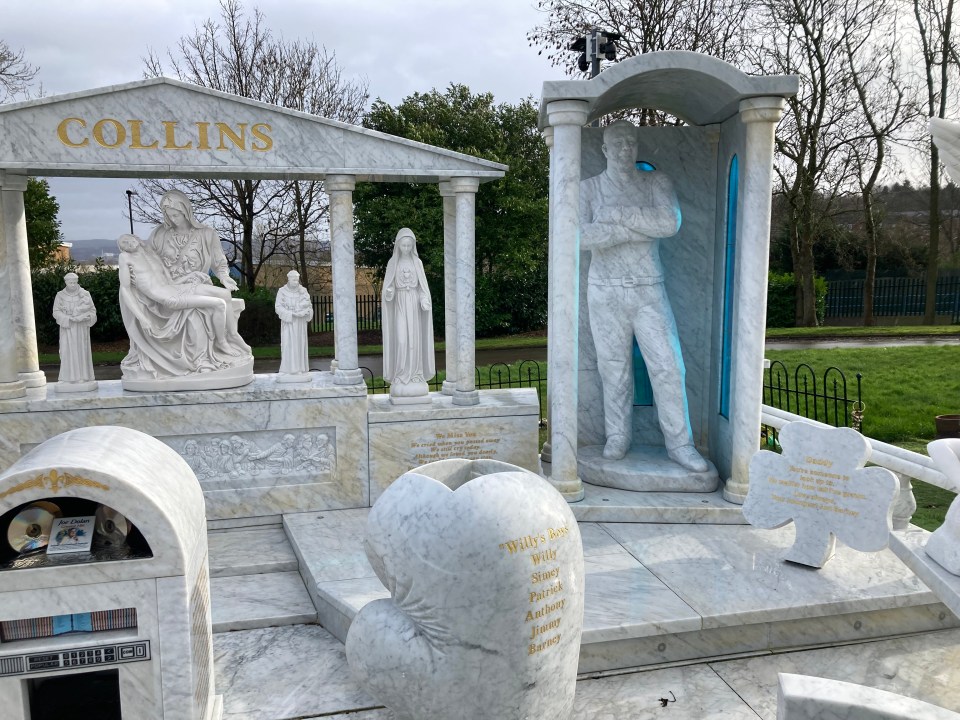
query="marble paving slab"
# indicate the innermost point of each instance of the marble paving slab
(296, 671)
(909, 547)
(601, 504)
(245, 602)
(250, 551)
(924, 667)
(329, 545)
(734, 575)
(624, 600)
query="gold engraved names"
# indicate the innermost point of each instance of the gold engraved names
(547, 587)
(811, 485)
(111, 133)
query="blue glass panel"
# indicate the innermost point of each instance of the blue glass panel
(729, 266)
(645, 166)
(642, 389)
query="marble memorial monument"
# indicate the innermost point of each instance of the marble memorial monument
(295, 310)
(408, 360)
(139, 600)
(484, 565)
(819, 483)
(944, 544)
(75, 313)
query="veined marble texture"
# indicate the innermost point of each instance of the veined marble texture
(802, 697)
(502, 427)
(820, 483)
(159, 126)
(910, 546)
(486, 581)
(923, 667)
(285, 672)
(601, 504)
(282, 480)
(735, 576)
(250, 551)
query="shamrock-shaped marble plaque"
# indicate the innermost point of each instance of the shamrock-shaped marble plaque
(485, 573)
(819, 483)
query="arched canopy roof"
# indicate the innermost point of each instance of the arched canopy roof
(699, 89)
(165, 128)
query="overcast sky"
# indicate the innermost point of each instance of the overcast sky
(400, 46)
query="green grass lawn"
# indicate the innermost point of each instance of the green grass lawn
(904, 388)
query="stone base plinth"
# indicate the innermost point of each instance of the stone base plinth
(503, 426)
(645, 468)
(257, 451)
(75, 387)
(230, 377)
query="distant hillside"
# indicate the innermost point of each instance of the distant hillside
(86, 251)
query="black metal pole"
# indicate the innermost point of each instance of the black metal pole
(130, 194)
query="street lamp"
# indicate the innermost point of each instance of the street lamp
(130, 194)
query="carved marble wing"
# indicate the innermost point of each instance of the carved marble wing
(946, 135)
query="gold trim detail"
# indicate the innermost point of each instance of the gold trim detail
(54, 481)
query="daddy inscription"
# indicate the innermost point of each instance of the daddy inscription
(544, 615)
(813, 484)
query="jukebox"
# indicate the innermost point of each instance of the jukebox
(104, 584)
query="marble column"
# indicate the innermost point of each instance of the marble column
(465, 196)
(546, 454)
(10, 384)
(340, 189)
(450, 287)
(17, 259)
(567, 118)
(760, 115)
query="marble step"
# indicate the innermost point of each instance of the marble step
(301, 672)
(664, 593)
(247, 602)
(250, 551)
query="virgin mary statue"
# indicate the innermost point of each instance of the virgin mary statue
(407, 324)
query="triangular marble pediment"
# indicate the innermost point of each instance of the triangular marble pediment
(167, 128)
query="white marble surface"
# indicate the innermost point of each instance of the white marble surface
(276, 142)
(819, 483)
(260, 415)
(486, 608)
(126, 470)
(803, 697)
(465, 205)
(944, 545)
(601, 504)
(503, 426)
(912, 547)
(733, 575)
(250, 551)
(245, 602)
(644, 468)
(286, 672)
(923, 667)
(295, 310)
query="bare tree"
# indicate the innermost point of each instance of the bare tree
(813, 166)
(871, 43)
(939, 54)
(715, 27)
(16, 74)
(239, 55)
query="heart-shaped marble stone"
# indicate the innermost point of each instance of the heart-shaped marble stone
(485, 573)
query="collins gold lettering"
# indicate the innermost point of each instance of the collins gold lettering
(135, 142)
(227, 132)
(170, 128)
(62, 132)
(203, 142)
(119, 131)
(260, 131)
